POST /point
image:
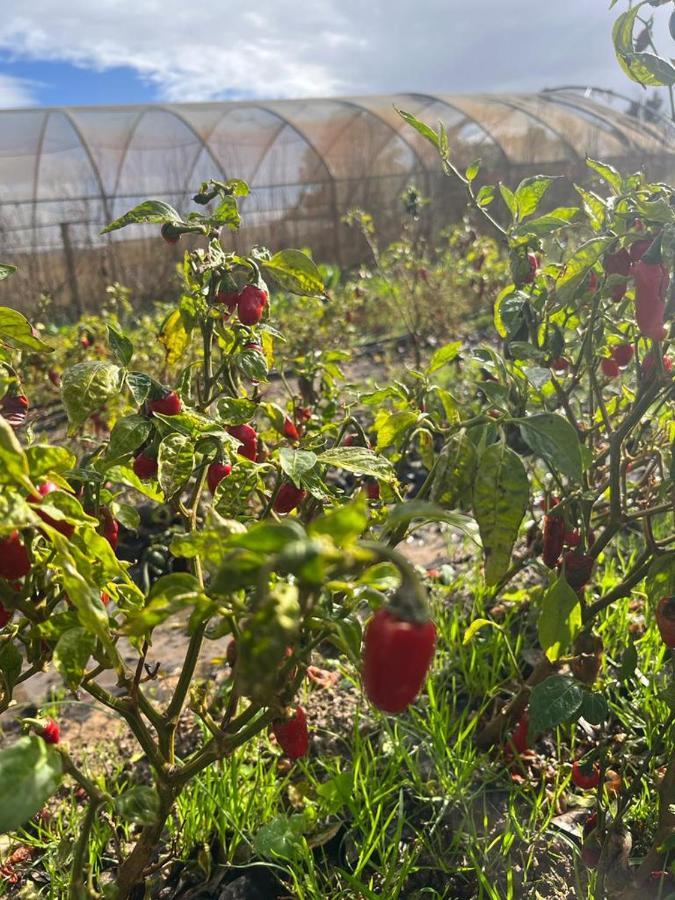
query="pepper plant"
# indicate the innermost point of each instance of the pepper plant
(270, 550)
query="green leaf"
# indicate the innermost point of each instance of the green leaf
(87, 387)
(428, 133)
(509, 311)
(154, 212)
(71, 655)
(174, 337)
(30, 772)
(559, 619)
(13, 460)
(472, 170)
(629, 661)
(296, 463)
(168, 595)
(554, 701)
(252, 364)
(660, 581)
(554, 439)
(44, 459)
(344, 524)
(139, 805)
(530, 192)
(227, 213)
(281, 838)
(176, 460)
(390, 427)
(485, 195)
(6, 270)
(547, 224)
(578, 266)
(140, 386)
(16, 332)
(608, 173)
(500, 496)
(237, 411)
(509, 199)
(120, 345)
(125, 475)
(11, 662)
(405, 513)
(85, 597)
(594, 708)
(127, 435)
(360, 460)
(594, 207)
(649, 69)
(443, 356)
(475, 627)
(454, 472)
(294, 271)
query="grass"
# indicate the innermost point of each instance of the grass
(410, 808)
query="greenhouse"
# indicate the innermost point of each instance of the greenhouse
(66, 172)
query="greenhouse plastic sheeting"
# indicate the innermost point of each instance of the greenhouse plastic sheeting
(66, 172)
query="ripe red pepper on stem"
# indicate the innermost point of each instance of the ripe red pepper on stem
(649, 365)
(5, 615)
(554, 538)
(651, 284)
(110, 527)
(215, 474)
(397, 655)
(51, 733)
(520, 735)
(64, 528)
(292, 734)
(14, 559)
(578, 568)
(249, 440)
(587, 778)
(622, 354)
(145, 466)
(168, 405)
(251, 303)
(618, 263)
(610, 368)
(560, 364)
(288, 498)
(372, 489)
(290, 430)
(665, 620)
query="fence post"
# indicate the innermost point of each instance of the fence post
(70, 268)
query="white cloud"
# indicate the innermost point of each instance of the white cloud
(16, 92)
(285, 48)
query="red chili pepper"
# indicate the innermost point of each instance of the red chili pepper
(651, 284)
(110, 527)
(14, 408)
(560, 364)
(554, 537)
(228, 298)
(665, 619)
(372, 489)
(292, 734)
(533, 261)
(145, 466)
(585, 777)
(618, 264)
(249, 440)
(609, 367)
(288, 498)
(5, 614)
(622, 354)
(519, 736)
(168, 405)
(572, 538)
(64, 528)
(649, 365)
(290, 430)
(51, 733)
(397, 655)
(578, 568)
(251, 303)
(14, 559)
(215, 474)
(638, 248)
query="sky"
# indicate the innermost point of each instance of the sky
(70, 52)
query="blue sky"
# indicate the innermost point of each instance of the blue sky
(136, 51)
